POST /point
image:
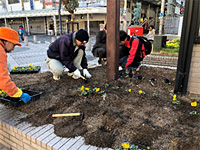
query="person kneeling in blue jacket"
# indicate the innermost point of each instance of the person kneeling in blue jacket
(68, 51)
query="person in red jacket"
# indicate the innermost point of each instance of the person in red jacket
(131, 51)
(8, 40)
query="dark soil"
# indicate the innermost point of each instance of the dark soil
(115, 116)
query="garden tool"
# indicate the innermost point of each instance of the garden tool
(69, 115)
(82, 77)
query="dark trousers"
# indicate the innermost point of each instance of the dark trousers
(123, 61)
(99, 52)
(22, 37)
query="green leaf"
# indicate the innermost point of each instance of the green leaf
(115, 87)
(95, 82)
(176, 102)
(106, 85)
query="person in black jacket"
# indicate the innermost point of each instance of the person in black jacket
(99, 48)
(68, 51)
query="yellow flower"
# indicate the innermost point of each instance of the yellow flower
(30, 65)
(174, 97)
(193, 104)
(23, 68)
(33, 67)
(29, 68)
(125, 145)
(87, 89)
(129, 90)
(82, 88)
(14, 68)
(148, 147)
(195, 112)
(140, 91)
(98, 89)
(1, 92)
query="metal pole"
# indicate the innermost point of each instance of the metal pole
(27, 26)
(60, 19)
(55, 26)
(113, 15)
(5, 22)
(124, 15)
(88, 23)
(161, 19)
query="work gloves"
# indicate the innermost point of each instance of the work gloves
(86, 73)
(76, 74)
(25, 97)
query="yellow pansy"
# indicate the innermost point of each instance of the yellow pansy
(140, 91)
(30, 65)
(125, 145)
(98, 89)
(82, 88)
(87, 89)
(193, 104)
(23, 68)
(174, 97)
(129, 90)
(33, 67)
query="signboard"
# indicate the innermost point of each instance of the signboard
(124, 17)
(50, 2)
(178, 1)
(124, 11)
(160, 14)
(177, 10)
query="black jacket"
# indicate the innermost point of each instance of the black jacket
(63, 49)
(100, 40)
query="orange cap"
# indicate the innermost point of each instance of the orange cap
(10, 35)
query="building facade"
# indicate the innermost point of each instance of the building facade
(41, 16)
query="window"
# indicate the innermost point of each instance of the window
(13, 1)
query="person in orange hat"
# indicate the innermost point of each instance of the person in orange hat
(8, 40)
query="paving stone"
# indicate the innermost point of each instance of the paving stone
(61, 143)
(69, 143)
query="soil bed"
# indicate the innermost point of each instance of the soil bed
(117, 115)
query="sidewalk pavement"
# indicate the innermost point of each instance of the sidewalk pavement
(36, 54)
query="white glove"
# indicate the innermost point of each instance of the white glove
(76, 74)
(86, 73)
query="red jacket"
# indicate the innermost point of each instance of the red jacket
(133, 49)
(5, 81)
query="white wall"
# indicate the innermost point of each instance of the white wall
(14, 7)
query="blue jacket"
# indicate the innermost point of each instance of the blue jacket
(62, 49)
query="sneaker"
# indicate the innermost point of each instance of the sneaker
(138, 68)
(70, 74)
(120, 68)
(56, 78)
(98, 64)
(75, 77)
